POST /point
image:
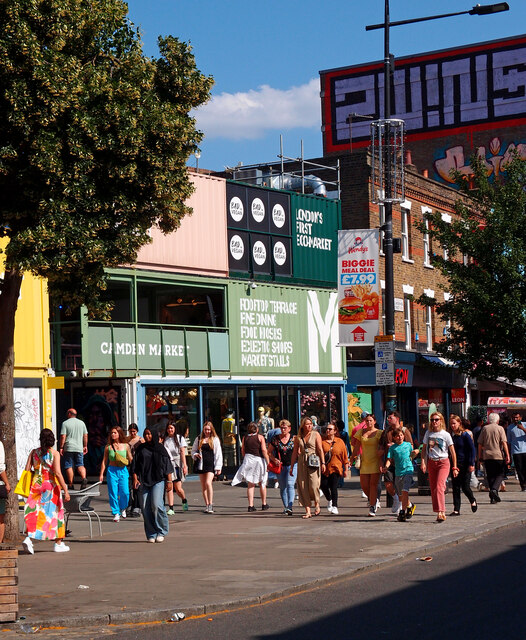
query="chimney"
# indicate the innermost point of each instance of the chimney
(409, 161)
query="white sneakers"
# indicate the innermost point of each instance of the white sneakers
(58, 547)
(28, 545)
(116, 517)
(156, 539)
(332, 510)
(123, 513)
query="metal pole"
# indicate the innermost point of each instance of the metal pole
(390, 390)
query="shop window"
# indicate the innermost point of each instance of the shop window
(180, 305)
(336, 403)
(315, 403)
(268, 407)
(169, 404)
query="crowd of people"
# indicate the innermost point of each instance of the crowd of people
(144, 473)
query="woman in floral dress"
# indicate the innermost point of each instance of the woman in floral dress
(44, 510)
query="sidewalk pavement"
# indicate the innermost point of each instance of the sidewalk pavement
(231, 558)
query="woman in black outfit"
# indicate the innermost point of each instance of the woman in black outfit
(465, 450)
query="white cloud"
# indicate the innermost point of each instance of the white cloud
(252, 114)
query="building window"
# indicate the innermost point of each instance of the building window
(176, 304)
(407, 322)
(381, 216)
(447, 219)
(407, 249)
(429, 328)
(427, 239)
(118, 293)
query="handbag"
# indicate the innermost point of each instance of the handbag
(23, 486)
(313, 461)
(3, 492)
(275, 467)
(120, 458)
(328, 454)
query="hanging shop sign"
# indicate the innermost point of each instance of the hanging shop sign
(358, 287)
(279, 330)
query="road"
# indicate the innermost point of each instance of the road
(473, 590)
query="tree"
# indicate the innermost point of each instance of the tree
(485, 272)
(93, 146)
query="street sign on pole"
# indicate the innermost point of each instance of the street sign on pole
(384, 357)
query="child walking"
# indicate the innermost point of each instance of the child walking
(401, 455)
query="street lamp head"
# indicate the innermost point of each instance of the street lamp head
(486, 9)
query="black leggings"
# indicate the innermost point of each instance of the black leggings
(329, 486)
(462, 482)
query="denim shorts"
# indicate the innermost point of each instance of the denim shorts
(403, 483)
(3, 504)
(72, 458)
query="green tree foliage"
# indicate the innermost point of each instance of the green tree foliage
(485, 270)
(94, 140)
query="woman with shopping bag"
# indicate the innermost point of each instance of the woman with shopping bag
(44, 509)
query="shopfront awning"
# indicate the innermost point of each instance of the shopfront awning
(437, 360)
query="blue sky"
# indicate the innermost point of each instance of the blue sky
(265, 58)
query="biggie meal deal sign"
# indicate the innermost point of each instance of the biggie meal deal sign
(358, 287)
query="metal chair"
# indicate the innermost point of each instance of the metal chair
(80, 503)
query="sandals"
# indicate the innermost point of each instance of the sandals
(307, 515)
(441, 517)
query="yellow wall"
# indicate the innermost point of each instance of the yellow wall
(32, 338)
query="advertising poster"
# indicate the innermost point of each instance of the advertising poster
(357, 403)
(359, 292)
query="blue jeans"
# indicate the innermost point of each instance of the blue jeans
(118, 480)
(286, 486)
(153, 511)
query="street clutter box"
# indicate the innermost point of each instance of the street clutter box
(8, 583)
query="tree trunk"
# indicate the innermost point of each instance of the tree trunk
(9, 294)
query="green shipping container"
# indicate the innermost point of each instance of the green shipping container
(315, 225)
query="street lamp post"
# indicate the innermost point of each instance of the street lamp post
(388, 195)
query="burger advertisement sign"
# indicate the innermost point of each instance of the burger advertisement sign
(358, 287)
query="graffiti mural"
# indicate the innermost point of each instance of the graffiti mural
(27, 423)
(495, 158)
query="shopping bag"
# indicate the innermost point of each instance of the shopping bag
(23, 486)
